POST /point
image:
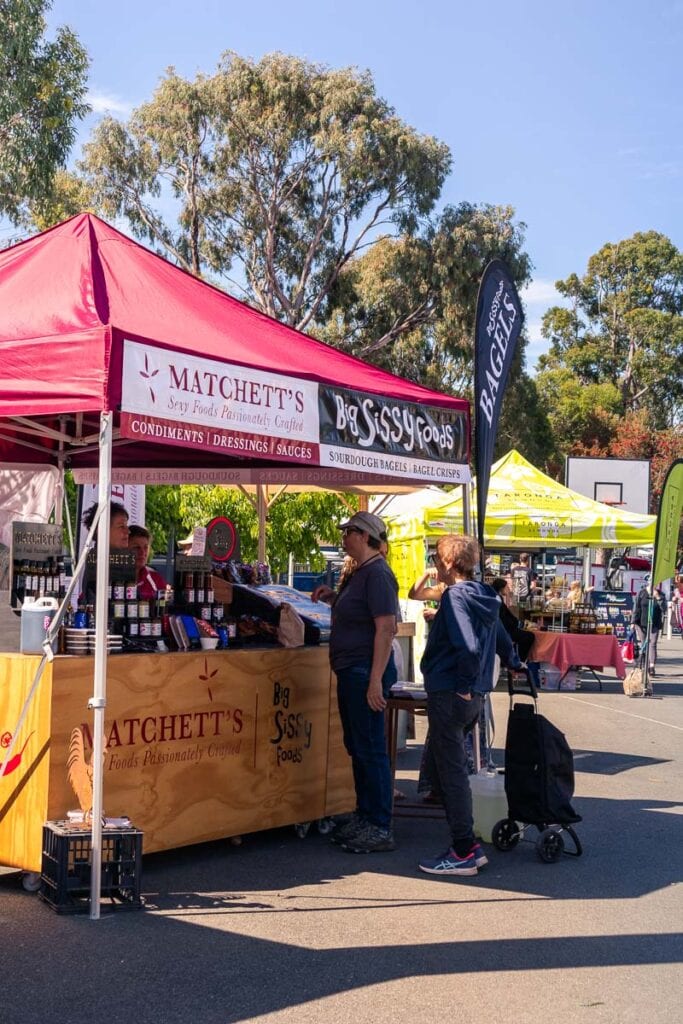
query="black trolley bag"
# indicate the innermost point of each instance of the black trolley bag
(539, 778)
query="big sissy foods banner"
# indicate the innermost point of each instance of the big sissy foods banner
(497, 326)
(199, 403)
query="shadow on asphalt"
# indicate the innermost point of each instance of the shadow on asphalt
(187, 957)
(157, 967)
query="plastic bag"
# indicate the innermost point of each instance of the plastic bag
(628, 652)
(633, 683)
(290, 630)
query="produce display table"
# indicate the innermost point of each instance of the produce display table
(576, 650)
(199, 745)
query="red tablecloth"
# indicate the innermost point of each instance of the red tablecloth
(567, 649)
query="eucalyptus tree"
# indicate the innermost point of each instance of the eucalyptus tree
(617, 349)
(42, 98)
(267, 176)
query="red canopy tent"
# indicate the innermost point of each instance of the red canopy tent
(111, 356)
(92, 321)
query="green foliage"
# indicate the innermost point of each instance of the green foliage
(42, 90)
(296, 522)
(579, 412)
(408, 303)
(68, 195)
(284, 167)
(618, 350)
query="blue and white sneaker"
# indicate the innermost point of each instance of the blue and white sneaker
(450, 864)
(480, 858)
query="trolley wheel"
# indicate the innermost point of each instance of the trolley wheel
(505, 834)
(30, 881)
(550, 845)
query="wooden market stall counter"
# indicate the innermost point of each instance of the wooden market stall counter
(199, 745)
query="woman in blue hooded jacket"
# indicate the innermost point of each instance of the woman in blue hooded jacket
(457, 667)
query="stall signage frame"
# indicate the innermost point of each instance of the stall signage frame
(38, 541)
(174, 398)
(33, 542)
(222, 542)
(370, 433)
(122, 568)
(193, 563)
(614, 608)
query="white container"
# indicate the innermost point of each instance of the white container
(35, 622)
(489, 802)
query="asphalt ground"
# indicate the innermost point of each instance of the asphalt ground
(282, 929)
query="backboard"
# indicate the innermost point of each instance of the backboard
(623, 483)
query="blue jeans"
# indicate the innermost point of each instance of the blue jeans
(365, 742)
(451, 718)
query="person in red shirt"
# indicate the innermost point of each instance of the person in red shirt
(149, 581)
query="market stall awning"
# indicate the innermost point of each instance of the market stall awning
(90, 321)
(528, 509)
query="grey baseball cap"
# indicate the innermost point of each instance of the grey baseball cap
(368, 523)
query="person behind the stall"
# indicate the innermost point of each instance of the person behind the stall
(523, 638)
(118, 523)
(362, 632)
(149, 581)
(522, 579)
(118, 538)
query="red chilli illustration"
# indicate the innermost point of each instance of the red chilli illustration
(15, 760)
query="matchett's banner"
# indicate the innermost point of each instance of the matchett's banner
(497, 326)
(198, 403)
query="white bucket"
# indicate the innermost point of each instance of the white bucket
(489, 802)
(36, 617)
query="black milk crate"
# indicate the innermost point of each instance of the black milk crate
(66, 874)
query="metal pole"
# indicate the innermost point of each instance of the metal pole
(648, 687)
(98, 701)
(261, 511)
(466, 509)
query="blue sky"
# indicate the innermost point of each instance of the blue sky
(571, 113)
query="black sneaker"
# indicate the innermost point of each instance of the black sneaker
(371, 839)
(349, 830)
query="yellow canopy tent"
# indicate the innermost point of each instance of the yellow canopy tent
(525, 509)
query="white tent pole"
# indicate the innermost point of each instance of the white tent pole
(466, 509)
(99, 701)
(587, 567)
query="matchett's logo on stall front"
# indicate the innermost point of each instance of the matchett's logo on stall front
(149, 374)
(206, 675)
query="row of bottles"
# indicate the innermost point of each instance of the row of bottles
(142, 620)
(34, 579)
(197, 588)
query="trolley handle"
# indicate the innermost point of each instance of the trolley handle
(520, 682)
